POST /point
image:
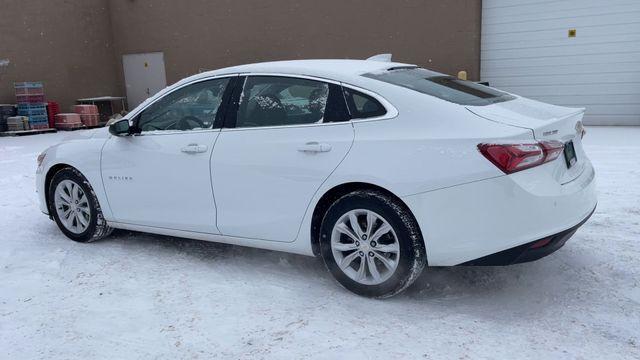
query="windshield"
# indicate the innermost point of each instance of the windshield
(442, 86)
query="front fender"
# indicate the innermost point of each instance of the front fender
(82, 153)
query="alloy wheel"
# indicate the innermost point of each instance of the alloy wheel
(72, 206)
(365, 247)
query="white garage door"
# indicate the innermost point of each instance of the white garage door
(581, 53)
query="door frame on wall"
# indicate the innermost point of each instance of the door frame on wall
(144, 75)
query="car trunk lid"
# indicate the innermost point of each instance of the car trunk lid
(546, 122)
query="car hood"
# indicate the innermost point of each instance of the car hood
(102, 132)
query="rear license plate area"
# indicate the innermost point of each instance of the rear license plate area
(570, 154)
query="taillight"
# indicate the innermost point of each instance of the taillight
(511, 158)
(552, 149)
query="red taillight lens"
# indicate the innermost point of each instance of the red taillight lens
(511, 158)
(552, 149)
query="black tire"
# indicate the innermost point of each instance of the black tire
(97, 227)
(412, 257)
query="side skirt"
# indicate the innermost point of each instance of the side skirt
(254, 243)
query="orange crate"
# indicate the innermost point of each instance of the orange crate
(68, 118)
(85, 109)
(90, 120)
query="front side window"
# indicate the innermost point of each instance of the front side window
(192, 107)
(276, 101)
(442, 86)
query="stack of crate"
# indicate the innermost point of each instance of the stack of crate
(6, 111)
(68, 121)
(17, 123)
(88, 114)
(37, 114)
(29, 92)
(30, 99)
(53, 109)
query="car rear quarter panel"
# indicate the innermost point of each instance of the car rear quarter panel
(429, 145)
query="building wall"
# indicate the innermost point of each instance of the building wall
(65, 44)
(526, 49)
(203, 34)
(76, 46)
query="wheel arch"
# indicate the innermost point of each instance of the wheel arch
(336, 192)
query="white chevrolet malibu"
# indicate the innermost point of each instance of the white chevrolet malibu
(378, 167)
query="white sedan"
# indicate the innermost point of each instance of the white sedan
(378, 167)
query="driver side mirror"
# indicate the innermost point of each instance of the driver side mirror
(120, 127)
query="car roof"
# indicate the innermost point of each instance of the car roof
(334, 69)
(346, 71)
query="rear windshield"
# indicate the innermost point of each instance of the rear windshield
(442, 86)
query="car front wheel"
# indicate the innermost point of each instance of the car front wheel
(371, 244)
(75, 208)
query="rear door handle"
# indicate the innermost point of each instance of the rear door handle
(194, 149)
(314, 147)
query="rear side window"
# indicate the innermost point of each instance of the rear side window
(442, 86)
(277, 101)
(362, 106)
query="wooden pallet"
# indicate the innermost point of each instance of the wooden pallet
(102, 124)
(71, 129)
(27, 132)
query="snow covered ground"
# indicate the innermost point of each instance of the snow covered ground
(143, 296)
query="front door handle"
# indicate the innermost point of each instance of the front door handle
(194, 149)
(314, 147)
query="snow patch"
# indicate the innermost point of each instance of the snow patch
(135, 295)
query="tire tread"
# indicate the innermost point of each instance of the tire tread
(102, 229)
(419, 258)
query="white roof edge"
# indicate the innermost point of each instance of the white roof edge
(336, 69)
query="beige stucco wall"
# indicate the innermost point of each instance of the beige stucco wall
(65, 44)
(76, 47)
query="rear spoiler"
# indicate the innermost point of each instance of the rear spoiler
(380, 57)
(387, 58)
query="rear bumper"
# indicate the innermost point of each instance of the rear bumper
(472, 221)
(529, 252)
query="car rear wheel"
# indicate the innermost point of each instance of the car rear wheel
(371, 244)
(75, 208)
